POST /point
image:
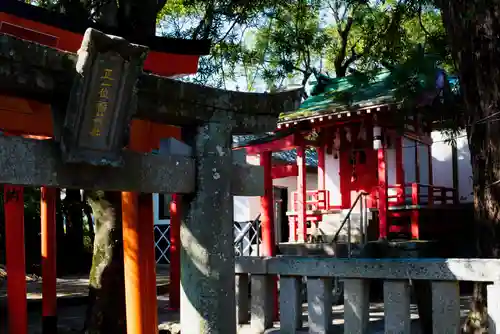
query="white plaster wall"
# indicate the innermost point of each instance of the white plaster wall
(442, 165)
(409, 160)
(332, 179)
(423, 158)
(291, 184)
(391, 171)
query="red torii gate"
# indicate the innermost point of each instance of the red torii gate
(32, 119)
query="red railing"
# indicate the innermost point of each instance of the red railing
(315, 200)
(421, 194)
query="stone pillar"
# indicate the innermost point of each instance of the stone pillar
(397, 307)
(262, 308)
(242, 299)
(445, 307)
(290, 304)
(319, 305)
(356, 306)
(208, 303)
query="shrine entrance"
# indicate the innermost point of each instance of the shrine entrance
(359, 169)
(95, 105)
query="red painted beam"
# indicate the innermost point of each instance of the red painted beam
(283, 144)
(14, 246)
(161, 63)
(281, 171)
(49, 271)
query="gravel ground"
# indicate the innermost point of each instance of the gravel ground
(71, 319)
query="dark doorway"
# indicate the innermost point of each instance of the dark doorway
(281, 219)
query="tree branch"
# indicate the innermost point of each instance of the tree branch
(422, 23)
(344, 38)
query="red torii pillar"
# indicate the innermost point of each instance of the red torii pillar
(49, 269)
(138, 248)
(15, 256)
(15, 249)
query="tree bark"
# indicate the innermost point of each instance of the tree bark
(473, 28)
(106, 308)
(136, 21)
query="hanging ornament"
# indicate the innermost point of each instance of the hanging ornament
(336, 144)
(336, 140)
(362, 132)
(348, 134)
(354, 176)
(377, 137)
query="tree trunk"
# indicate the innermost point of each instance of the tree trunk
(136, 21)
(106, 308)
(473, 28)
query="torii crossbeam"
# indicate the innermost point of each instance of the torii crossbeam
(208, 178)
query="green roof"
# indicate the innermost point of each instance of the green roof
(334, 95)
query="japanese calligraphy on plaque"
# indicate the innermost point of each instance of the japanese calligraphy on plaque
(102, 101)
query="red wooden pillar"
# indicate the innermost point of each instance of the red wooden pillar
(415, 195)
(14, 246)
(135, 277)
(142, 249)
(175, 256)
(148, 262)
(49, 270)
(267, 218)
(266, 205)
(430, 193)
(400, 172)
(321, 163)
(382, 193)
(301, 193)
